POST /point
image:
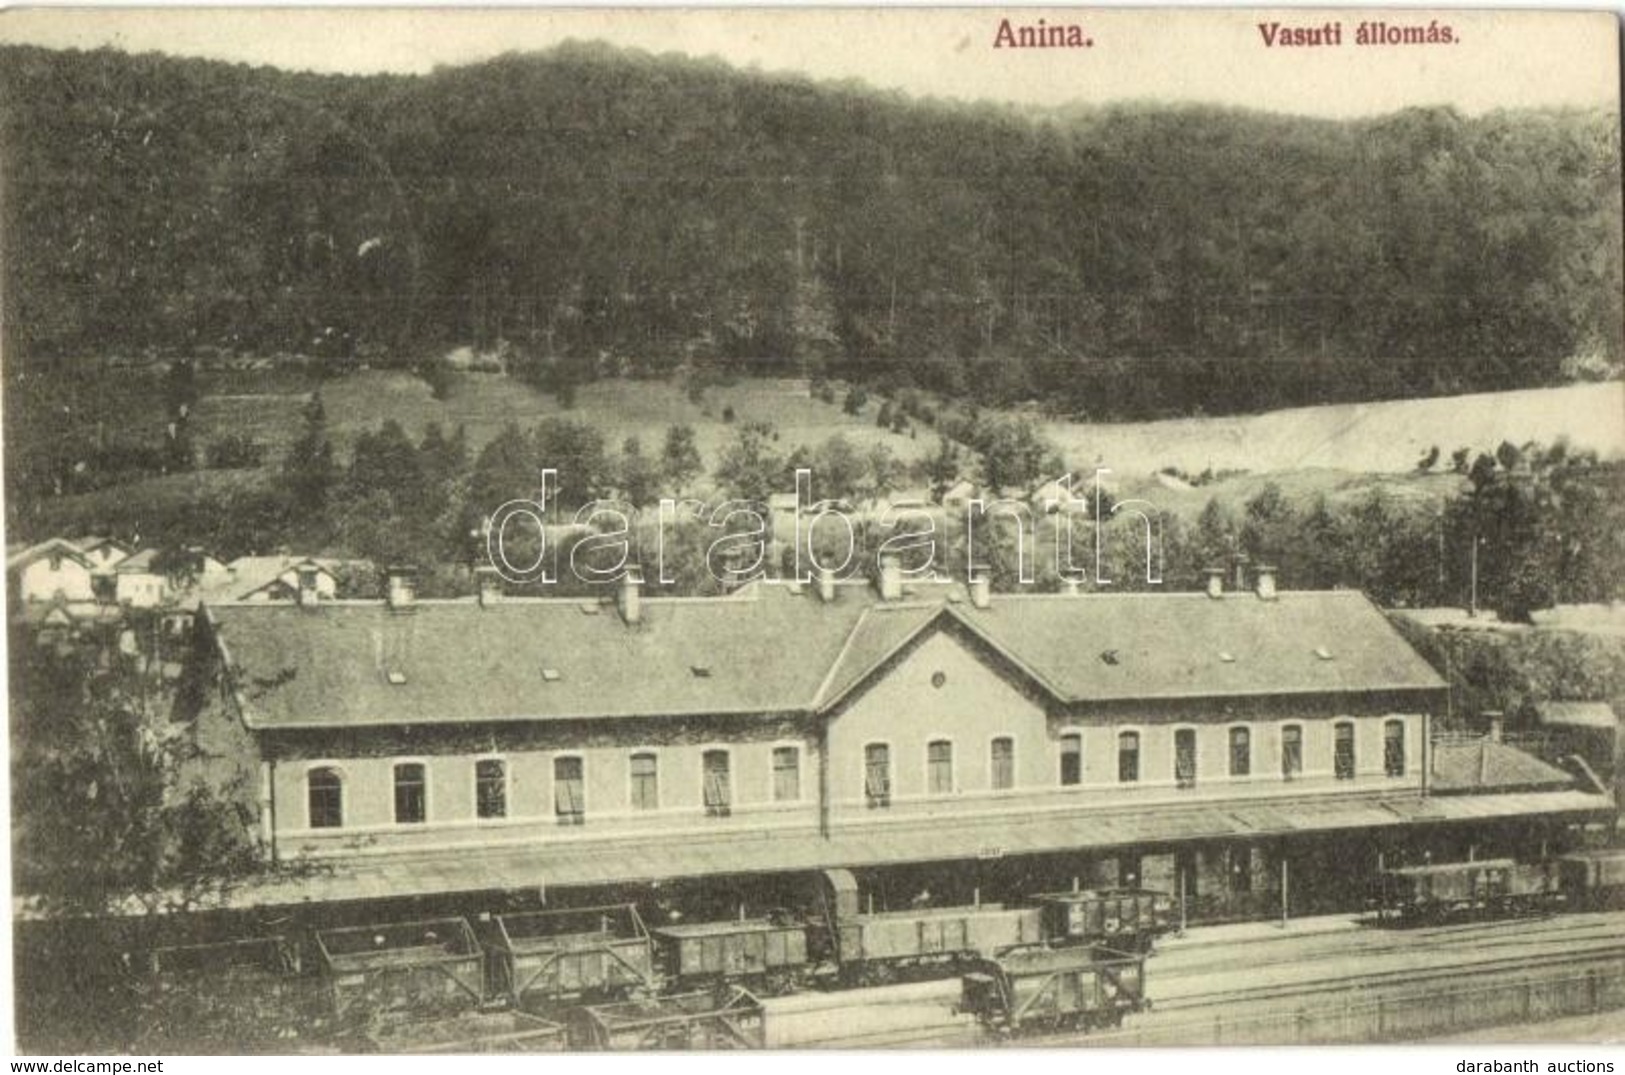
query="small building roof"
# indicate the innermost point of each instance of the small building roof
(1578, 715)
(248, 575)
(1486, 765)
(49, 547)
(138, 562)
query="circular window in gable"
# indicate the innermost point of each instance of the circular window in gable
(938, 679)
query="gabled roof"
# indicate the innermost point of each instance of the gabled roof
(250, 574)
(49, 547)
(91, 544)
(774, 651)
(136, 562)
(1114, 647)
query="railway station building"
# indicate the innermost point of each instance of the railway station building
(1255, 753)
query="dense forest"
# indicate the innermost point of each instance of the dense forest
(611, 213)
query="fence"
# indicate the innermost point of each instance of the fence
(1395, 1017)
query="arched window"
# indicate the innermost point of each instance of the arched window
(1393, 748)
(569, 791)
(645, 781)
(877, 774)
(1128, 757)
(1185, 757)
(1291, 752)
(718, 783)
(1071, 759)
(1241, 751)
(1343, 750)
(411, 794)
(939, 767)
(326, 798)
(1002, 763)
(786, 774)
(490, 788)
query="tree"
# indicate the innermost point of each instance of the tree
(116, 803)
(942, 469)
(639, 477)
(1014, 454)
(680, 459)
(309, 472)
(856, 397)
(750, 468)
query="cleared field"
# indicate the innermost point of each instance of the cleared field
(484, 403)
(1386, 437)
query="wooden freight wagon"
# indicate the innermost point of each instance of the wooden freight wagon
(873, 947)
(541, 958)
(431, 967)
(1494, 886)
(231, 996)
(1593, 879)
(467, 1032)
(761, 950)
(1123, 918)
(1043, 988)
(707, 1020)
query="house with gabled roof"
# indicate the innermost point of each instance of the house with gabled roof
(52, 570)
(1211, 742)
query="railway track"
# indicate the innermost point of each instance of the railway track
(1391, 968)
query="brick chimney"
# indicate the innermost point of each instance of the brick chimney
(488, 583)
(1215, 581)
(401, 590)
(630, 596)
(309, 592)
(981, 586)
(891, 577)
(1264, 582)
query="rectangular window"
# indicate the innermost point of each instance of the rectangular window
(1002, 767)
(1185, 757)
(1291, 752)
(718, 791)
(326, 799)
(786, 775)
(1071, 760)
(877, 774)
(1128, 757)
(490, 788)
(1343, 751)
(569, 791)
(645, 782)
(939, 764)
(410, 795)
(1241, 751)
(1393, 748)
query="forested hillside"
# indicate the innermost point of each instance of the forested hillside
(609, 213)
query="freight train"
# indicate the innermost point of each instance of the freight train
(585, 974)
(1580, 880)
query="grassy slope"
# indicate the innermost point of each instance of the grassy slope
(1340, 451)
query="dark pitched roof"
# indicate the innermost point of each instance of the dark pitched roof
(1110, 647)
(1486, 765)
(522, 660)
(771, 650)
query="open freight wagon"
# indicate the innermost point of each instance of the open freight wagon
(540, 959)
(433, 967)
(1038, 988)
(712, 1020)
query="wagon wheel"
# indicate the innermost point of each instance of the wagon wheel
(879, 974)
